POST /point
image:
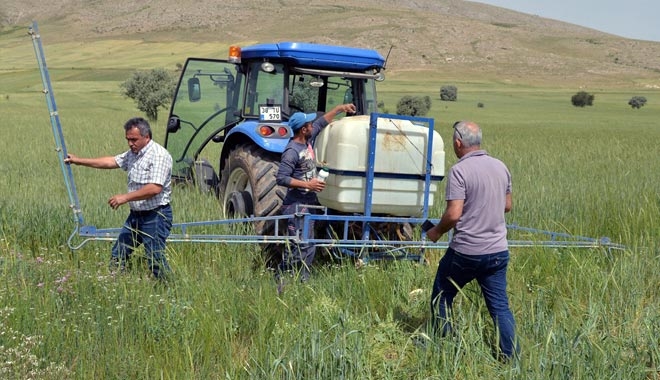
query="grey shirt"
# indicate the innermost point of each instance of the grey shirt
(482, 182)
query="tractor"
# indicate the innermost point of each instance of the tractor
(244, 103)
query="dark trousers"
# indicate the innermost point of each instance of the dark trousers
(298, 257)
(150, 228)
(455, 270)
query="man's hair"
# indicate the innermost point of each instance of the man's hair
(141, 124)
(468, 132)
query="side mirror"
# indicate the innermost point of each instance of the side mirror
(194, 90)
(173, 124)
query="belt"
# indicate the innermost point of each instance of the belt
(147, 212)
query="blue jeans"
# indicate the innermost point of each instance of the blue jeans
(150, 228)
(298, 257)
(455, 270)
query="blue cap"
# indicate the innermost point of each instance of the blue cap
(298, 119)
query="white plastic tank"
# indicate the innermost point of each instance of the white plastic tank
(401, 147)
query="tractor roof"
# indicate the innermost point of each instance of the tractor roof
(316, 55)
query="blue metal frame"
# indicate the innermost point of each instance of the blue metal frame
(60, 146)
(365, 248)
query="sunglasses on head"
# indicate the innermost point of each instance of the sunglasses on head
(456, 130)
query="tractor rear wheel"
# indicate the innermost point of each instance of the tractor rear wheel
(250, 172)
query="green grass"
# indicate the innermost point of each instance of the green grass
(580, 313)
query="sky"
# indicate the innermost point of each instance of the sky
(637, 19)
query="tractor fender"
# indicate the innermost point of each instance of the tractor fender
(246, 132)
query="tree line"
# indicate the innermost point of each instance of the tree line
(154, 89)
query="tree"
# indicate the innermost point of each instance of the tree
(448, 93)
(150, 90)
(381, 107)
(304, 97)
(413, 105)
(582, 99)
(637, 102)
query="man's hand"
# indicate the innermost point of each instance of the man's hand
(448, 220)
(71, 159)
(433, 234)
(348, 108)
(315, 185)
(117, 201)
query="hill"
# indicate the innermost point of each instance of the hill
(463, 39)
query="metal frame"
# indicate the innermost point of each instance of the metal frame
(365, 248)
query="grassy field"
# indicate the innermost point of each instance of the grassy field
(580, 313)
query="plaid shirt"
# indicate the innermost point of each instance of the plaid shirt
(152, 164)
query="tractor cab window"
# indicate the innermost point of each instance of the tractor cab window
(304, 93)
(264, 87)
(316, 93)
(370, 104)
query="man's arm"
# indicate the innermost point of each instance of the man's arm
(107, 162)
(509, 203)
(330, 115)
(145, 192)
(448, 221)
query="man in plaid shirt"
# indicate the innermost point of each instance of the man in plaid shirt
(149, 168)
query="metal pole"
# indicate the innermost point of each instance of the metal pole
(60, 147)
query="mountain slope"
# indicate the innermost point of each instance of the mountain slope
(455, 36)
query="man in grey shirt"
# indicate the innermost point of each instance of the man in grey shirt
(478, 195)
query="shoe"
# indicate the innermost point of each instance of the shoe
(422, 341)
(280, 288)
(279, 282)
(117, 266)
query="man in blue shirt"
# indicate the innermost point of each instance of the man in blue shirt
(478, 195)
(149, 168)
(297, 172)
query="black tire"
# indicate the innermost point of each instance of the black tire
(250, 169)
(239, 205)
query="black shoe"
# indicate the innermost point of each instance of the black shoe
(422, 341)
(117, 266)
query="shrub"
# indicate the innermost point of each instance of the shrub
(381, 107)
(448, 93)
(582, 99)
(150, 90)
(637, 102)
(413, 105)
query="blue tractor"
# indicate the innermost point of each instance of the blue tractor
(244, 103)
